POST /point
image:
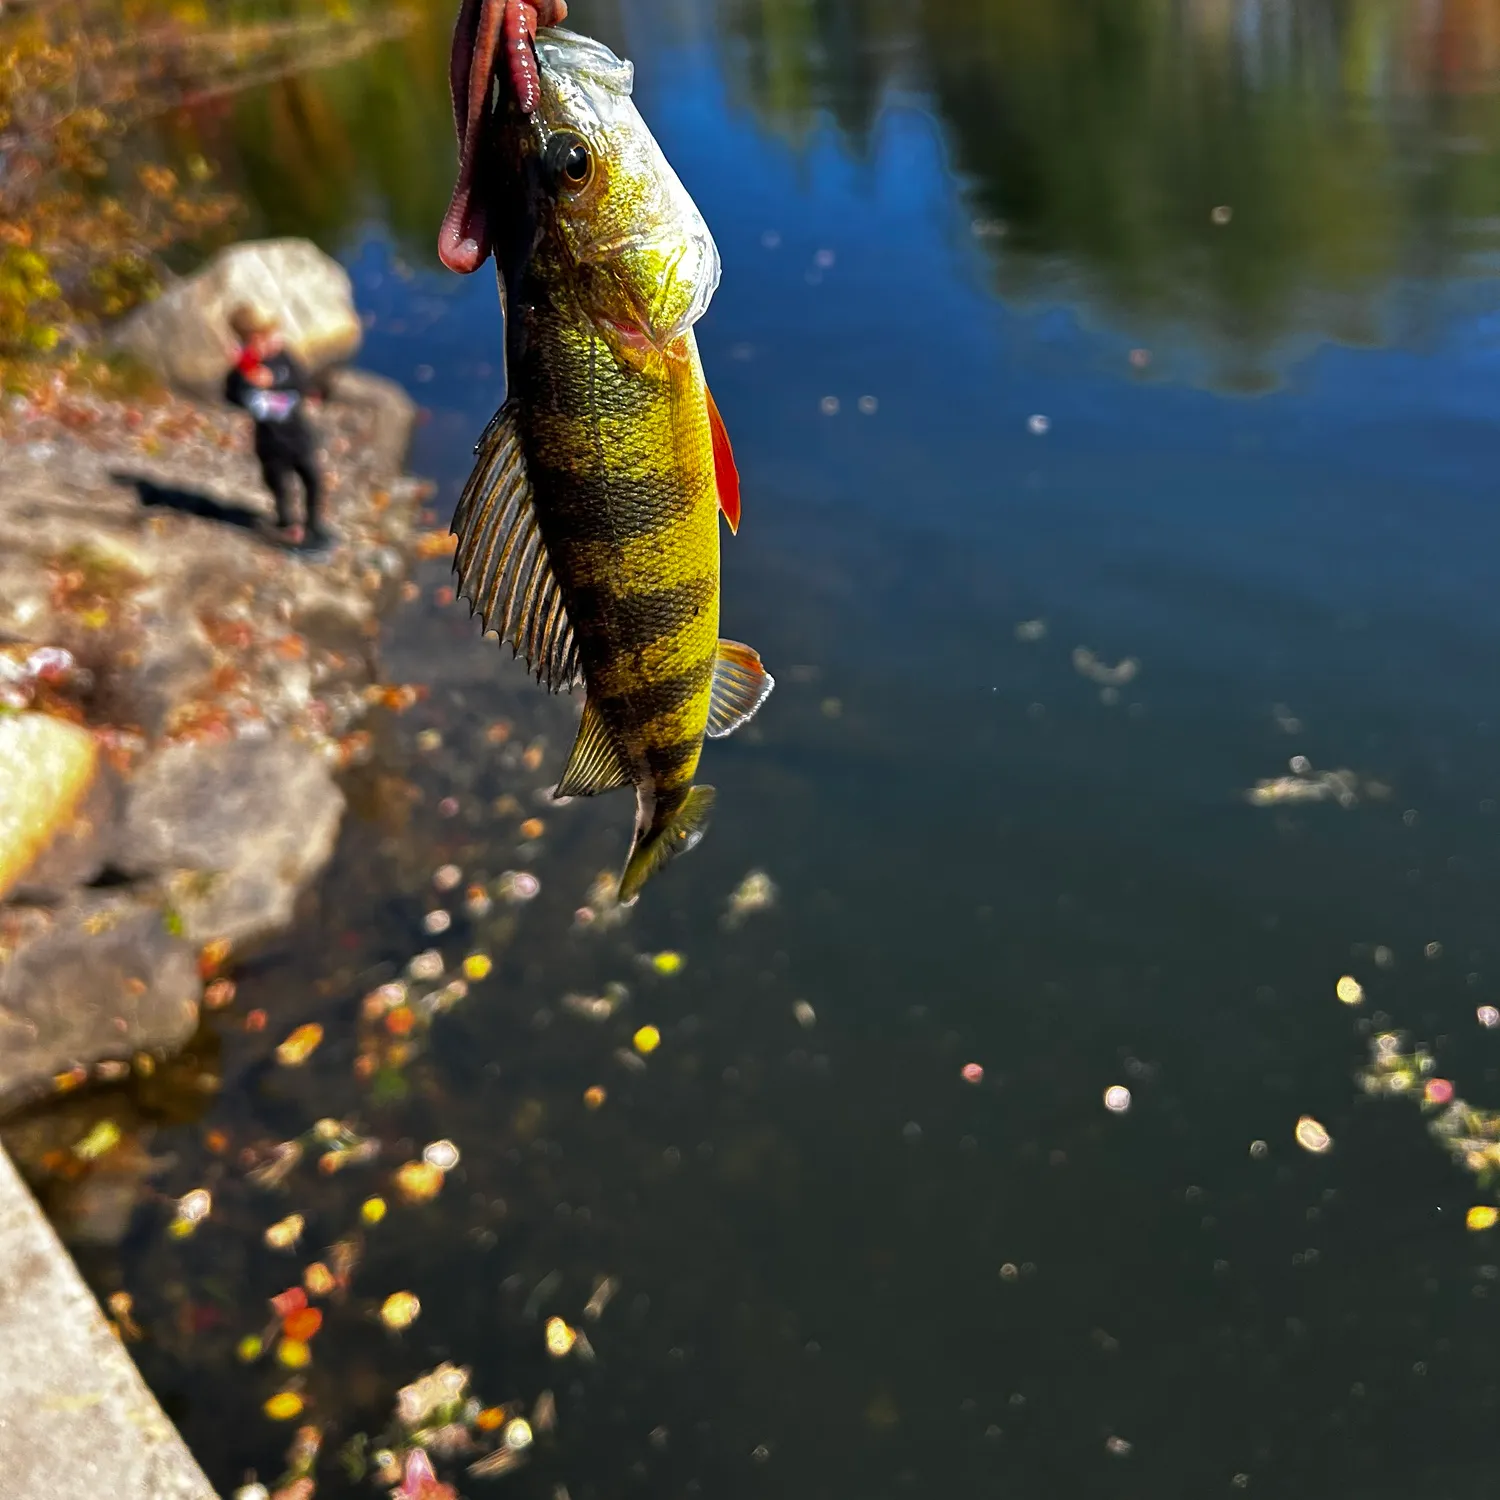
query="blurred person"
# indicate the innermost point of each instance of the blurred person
(274, 388)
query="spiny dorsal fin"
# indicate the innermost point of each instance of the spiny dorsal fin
(502, 564)
(596, 764)
(741, 685)
(726, 473)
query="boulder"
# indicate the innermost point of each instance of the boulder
(77, 1422)
(100, 977)
(48, 768)
(184, 335)
(237, 828)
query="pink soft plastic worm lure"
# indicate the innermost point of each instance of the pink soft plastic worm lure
(463, 239)
(520, 34)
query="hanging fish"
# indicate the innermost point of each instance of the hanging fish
(588, 532)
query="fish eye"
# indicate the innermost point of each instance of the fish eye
(572, 162)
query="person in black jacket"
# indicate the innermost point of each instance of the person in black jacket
(268, 383)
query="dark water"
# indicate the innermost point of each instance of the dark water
(1283, 508)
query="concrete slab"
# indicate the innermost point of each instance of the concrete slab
(76, 1420)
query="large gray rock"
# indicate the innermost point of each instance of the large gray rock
(99, 977)
(76, 1420)
(237, 828)
(184, 335)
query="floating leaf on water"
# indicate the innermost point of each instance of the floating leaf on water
(501, 1461)
(667, 963)
(300, 1045)
(284, 1405)
(302, 1455)
(400, 1310)
(318, 1279)
(972, 1072)
(294, 1354)
(1086, 664)
(195, 1206)
(218, 994)
(806, 1016)
(372, 1210)
(603, 1294)
(445, 877)
(283, 1159)
(477, 966)
(646, 1040)
(302, 1324)
(448, 1441)
(1311, 1136)
(517, 886)
(418, 1181)
(284, 1304)
(284, 1234)
(1438, 1091)
(1482, 1216)
(589, 1007)
(1350, 990)
(250, 1348)
(560, 1338)
(252, 1492)
(756, 892)
(427, 965)
(212, 956)
(517, 1435)
(1487, 1016)
(355, 1155)
(103, 1138)
(544, 1412)
(1117, 1099)
(344, 1257)
(441, 1155)
(491, 1419)
(434, 1397)
(594, 1097)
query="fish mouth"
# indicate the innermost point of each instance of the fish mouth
(483, 28)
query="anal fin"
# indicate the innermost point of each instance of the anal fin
(596, 764)
(741, 685)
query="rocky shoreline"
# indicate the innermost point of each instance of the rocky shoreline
(177, 697)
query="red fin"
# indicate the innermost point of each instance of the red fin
(726, 476)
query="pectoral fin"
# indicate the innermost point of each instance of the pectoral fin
(740, 686)
(726, 474)
(596, 764)
(502, 564)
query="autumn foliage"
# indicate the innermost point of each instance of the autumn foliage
(86, 213)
